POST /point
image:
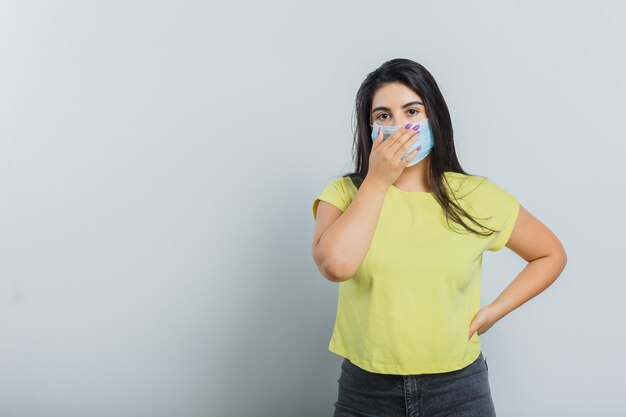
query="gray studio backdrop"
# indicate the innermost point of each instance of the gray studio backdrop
(158, 161)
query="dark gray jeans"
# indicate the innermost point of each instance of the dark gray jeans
(461, 393)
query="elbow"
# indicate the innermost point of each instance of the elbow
(335, 272)
(332, 268)
(562, 256)
(557, 256)
(560, 259)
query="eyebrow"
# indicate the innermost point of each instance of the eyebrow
(404, 107)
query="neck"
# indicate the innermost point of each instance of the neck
(415, 178)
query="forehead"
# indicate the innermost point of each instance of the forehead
(394, 95)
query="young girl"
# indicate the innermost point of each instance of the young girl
(403, 236)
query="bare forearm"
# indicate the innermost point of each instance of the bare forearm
(536, 276)
(348, 239)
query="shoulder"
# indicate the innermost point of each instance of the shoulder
(461, 184)
(343, 185)
(339, 192)
(344, 181)
(473, 187)
(494, 206)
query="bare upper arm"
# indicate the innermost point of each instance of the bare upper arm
(326, 215)
(531, 239)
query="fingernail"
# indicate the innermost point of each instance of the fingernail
(408, 125)
(419, 147)
(416, 127)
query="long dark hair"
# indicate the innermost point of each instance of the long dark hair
(443, 155)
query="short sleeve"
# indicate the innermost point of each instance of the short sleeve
(498, 210)
(335, 194)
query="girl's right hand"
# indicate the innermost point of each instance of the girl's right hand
(385, 165)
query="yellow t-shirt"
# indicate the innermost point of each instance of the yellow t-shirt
(408, 308)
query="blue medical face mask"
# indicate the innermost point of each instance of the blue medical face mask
(425, 139)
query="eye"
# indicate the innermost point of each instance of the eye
(386, 114)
